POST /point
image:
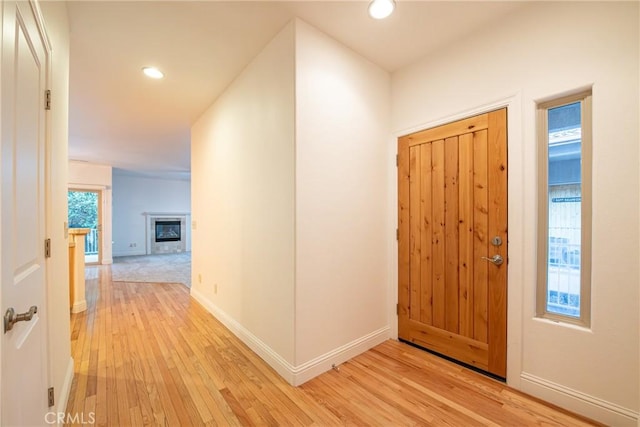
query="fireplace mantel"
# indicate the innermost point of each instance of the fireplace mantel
(166, 213)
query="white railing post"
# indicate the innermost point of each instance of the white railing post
(91, 242)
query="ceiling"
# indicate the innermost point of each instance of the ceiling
(141, 126)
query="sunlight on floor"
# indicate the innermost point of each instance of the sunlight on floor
(91, 259)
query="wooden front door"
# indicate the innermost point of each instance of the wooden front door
(452, 208)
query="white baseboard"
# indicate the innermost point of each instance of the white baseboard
(79, 306)
(273, 359)
(134, 252)
(319, 365)
(294, 375)
(590, 406)
(63, 395)
(107, 261)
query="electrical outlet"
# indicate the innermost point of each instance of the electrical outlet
(193, 225)
(199, 278)
(215, 288)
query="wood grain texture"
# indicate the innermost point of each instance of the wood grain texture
(403, 232)
(416, 227)
(481, 240)
(451, 200)
(456, 201)
(461, 127)
(438, 239)
(497, 294)
(148, 354)
(465, 204)
(426, 262)
(472, 352)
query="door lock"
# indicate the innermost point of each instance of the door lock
(11, 318)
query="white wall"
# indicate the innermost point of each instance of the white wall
(96, 177)
(542, 50)
(342, 126)
(60, 362)
(289, 204)
(135, 195)
(85, 173)
(242, 165)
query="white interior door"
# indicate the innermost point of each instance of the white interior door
(25, 59)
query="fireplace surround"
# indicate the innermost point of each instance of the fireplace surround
(166, 233)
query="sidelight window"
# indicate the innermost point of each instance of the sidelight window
(564, 241)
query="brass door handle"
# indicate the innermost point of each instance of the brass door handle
(11, 318)
(496, 259)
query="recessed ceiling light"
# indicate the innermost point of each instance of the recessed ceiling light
(380, 9)
(153, 72)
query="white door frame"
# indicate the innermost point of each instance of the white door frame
(515, 185)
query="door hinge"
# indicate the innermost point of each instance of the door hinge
(397, 161)
(397, 234)
(51, 396)
(47, 99)
(47, 248)
(398, 309)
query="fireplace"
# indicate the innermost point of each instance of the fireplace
(168, 231)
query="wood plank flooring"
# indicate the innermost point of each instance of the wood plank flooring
(148, 354)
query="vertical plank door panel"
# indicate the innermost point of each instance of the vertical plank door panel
(438, 237)
(497, 156)
(466, 234)
(451, 234)
(480, 226)
(403, 236)
(426, 315)
(415, 230)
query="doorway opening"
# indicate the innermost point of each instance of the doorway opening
(85, 212)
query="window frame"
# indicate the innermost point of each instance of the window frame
(584, 97)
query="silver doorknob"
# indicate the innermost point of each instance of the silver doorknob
(11, 318)
(496, 259)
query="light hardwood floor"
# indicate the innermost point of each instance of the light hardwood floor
(148, 354)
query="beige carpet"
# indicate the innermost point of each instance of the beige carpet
(166, 268)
